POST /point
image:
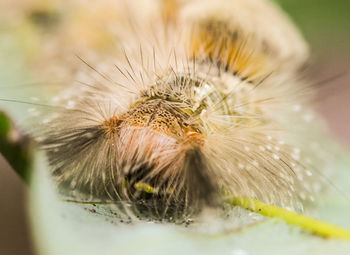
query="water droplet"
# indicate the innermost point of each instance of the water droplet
(70, 104)
(296, 108)
(239, 252)
(296, 151)
(276, 157)
(308, 117)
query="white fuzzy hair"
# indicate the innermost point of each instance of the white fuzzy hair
(255, 127)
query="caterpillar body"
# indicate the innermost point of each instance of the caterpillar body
(198, 101)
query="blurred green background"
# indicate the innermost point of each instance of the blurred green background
(326, 26)
(324, 23)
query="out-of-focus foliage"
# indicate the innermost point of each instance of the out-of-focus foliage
(325, 24)
(14, 147)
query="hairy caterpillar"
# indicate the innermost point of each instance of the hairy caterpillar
(199, 100)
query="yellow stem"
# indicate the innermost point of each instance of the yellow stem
(315, 226)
